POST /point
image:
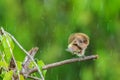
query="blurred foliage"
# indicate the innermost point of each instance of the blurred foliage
(8, 64)
(48, 23)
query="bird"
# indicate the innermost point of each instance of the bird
(78, 43)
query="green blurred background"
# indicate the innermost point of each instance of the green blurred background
(48, 24)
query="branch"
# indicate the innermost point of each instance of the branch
(39, 71)
(34, 78)
(48, 66)
(68, 61)
(27, 60)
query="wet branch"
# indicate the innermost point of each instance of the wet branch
(68, 61)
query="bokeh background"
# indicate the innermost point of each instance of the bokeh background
(48, 24)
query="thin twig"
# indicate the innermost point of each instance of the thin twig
(33, 78)
(48, 66)
(11, 53)
(39, 71)
(27, 59)
(32, 71)
(68, 61)
(26, 62)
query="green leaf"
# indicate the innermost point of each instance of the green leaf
(0, 55)
(8, 75)
(41, 64)
(21, 77)
(8, 45)
(3, 64)
(31, 65)
(5, 44)
(19, 65)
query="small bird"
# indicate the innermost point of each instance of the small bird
(77, 43)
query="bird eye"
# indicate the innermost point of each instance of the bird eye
(85, 41)
(75, 42)
(80, 41)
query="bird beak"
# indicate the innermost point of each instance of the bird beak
(69, 49)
